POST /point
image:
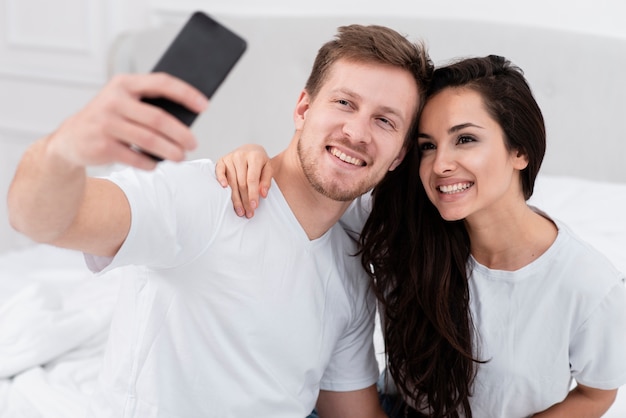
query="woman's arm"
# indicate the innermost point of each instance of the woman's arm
(355, 404)
(582, 401)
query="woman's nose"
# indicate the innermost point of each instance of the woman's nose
(444, 161)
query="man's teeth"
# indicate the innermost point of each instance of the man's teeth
(454, 188)
(346, 158)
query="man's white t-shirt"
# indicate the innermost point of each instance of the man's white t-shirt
(227, 316)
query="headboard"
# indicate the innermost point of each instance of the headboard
(577, 78)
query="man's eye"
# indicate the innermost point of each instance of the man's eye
(386, 122)
(343, 102)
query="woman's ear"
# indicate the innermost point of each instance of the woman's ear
(302, 106)
(520, 160)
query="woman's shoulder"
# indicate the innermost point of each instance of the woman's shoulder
(582, 260)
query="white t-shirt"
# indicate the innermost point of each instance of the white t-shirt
(559, 318)
(229, 317)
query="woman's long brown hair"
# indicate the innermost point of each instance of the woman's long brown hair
(419, 261)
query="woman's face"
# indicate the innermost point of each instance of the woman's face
(465, 167)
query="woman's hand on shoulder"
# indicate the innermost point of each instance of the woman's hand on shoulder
(248, 172)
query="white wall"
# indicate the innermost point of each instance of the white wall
(52, 60)
(594, 16)
(53, 53)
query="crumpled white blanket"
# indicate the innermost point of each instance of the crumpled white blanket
(39, 324)
(52, 333)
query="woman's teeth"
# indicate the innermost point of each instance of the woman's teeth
(455, 188)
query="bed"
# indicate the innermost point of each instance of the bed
(54, 314)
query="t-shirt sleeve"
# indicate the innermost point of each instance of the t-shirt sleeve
(167, 207)
(353, 365)
(598, 348)
(354, 218)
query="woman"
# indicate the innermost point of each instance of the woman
(490, 307)
(494, 306)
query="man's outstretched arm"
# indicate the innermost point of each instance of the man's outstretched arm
(52, 200)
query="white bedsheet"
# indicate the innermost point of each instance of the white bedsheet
(595, 210)
(54, 313)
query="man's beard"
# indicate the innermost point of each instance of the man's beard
(329, 188)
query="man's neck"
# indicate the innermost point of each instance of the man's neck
(315, 212)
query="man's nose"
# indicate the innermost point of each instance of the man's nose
(357, 128)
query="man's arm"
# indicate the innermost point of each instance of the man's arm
(52, 200)
(355, 404)
(54, 203)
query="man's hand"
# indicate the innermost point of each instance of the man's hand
(51, 199)
(111, 127)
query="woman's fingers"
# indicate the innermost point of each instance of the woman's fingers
(248, 172)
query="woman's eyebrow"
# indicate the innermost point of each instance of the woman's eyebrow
(461, 126)
(453, 129)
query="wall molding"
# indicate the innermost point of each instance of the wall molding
(169, 15)
(19, 37)
(61, 42)
(54, 77)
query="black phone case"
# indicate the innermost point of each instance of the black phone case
(202, 54)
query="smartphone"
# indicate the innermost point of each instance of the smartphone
(202, 54)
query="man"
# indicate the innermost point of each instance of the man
(231, 317)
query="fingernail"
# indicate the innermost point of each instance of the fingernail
(203, 102)
(253, 204)
(239, 211)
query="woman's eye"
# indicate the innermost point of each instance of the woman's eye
(465, 139)
(426, 146)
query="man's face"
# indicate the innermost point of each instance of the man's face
(353, 131)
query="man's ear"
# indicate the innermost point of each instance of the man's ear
(396, 162)
(302, 106)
